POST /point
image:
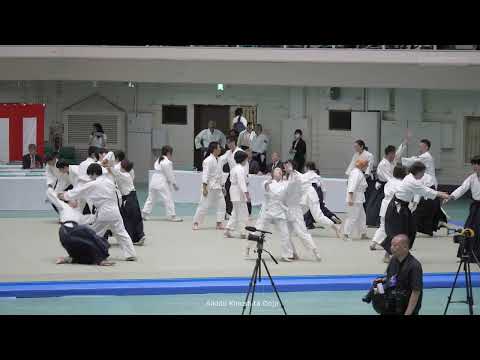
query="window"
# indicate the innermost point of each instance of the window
(472, 137)
(174, 114)
(340, 120)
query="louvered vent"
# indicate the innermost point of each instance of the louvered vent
(80, 127)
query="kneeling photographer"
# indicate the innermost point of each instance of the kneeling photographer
(400, 292)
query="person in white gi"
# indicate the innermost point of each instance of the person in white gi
(387, 164)
(206, 136)
(64, 179)
(92, 158)
(361, 154)
(274, 211)
(259, 148)
(355, 223)
(129, 209)
(68, 211)
(246, 137)
(51, 171)
(239, 196)
(119, 157)
(398, 216)
(102, 193)
(472, 183)
(229, 158)
(296, 187)
(424, 156)
(162, 185)
(212, 188)
(392, 185)
(311, 202)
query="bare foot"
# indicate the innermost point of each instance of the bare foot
(337, 231)
(64, 260)
(220, 226)
(195, 226)
(106, 263)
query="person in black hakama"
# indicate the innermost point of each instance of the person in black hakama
(83, 245)
(429, 216)
(472, 183)
(398, 217)
(308, 217)
(129, 208)
(376, 193)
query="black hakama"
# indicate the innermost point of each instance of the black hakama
(398, 222)
(374, 204)
(369, 191)
(428, 215)
(82, 244)
(473, 222)
(308, 217)
(132, 216)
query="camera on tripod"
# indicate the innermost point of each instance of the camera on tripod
(258, 238)
(463, 235)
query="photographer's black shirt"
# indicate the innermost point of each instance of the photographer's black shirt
(406, 276)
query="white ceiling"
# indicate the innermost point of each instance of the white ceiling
(289, 67)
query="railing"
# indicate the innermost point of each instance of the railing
(376, 47)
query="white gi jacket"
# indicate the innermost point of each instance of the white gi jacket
(164, 175)
(101, 192)
(471, 183)
(425, 158)
(274, 206)
(84, 165)
(238, 188)
(365, 155)
(212, 173)
(52, 174)
(66, 212)
(389, 190)
(124, 181)
(205, 137)
(357, 185)
(411, 187)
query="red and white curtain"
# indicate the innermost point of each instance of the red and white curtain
(21, 125)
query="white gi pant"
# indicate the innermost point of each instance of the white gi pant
(281, 226)
(165, 194)
(318, 215)
(356, 221)
(380, 234)
(296, 226)
(214, 198)
(118, 230)
(239, 218)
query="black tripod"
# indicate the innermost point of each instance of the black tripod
(257, 273)
(466, 255)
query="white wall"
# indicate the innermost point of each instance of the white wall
(275, 105)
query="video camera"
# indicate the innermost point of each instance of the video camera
(386, 300)
(463, 235)
(258, 238)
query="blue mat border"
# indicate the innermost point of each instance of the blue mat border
(125, 287)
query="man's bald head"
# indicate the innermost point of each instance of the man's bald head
(400, 245)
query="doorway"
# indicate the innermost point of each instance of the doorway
(202, 115)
